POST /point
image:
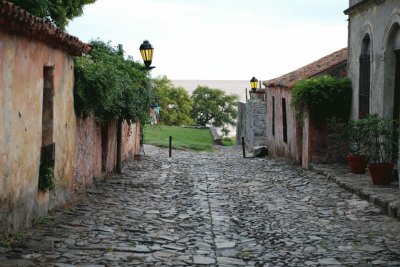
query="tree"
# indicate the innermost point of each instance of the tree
(213, 106)
(59, 12)
(175, 103)
(107, 85)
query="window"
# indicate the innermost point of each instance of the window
(365, 78)
(284, 120)
(273, 115)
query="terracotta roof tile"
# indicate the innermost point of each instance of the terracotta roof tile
(15, 20)
(313, 69)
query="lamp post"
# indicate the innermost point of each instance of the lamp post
(146, 50)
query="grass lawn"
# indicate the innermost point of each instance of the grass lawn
(182, 138)
(228, 141)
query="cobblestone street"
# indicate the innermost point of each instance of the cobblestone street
(214, 209)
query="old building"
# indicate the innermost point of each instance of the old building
(38, 122)
(374, 56)
(287, 137)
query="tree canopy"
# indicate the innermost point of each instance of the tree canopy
(213, 106)
(107, 85)
(175, 103)
(59, 12)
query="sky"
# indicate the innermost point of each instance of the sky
(219, 39)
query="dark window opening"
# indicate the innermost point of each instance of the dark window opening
(396, 107)
(365, 78)
(284, 120)
(47, 152)
(273, 115)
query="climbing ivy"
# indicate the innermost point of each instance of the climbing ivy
(46, 176)
(108, 85)
(324, 97)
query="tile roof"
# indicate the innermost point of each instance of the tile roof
(315, 68)
(15, 20)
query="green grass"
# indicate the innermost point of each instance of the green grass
(228, 141)
(182, 138)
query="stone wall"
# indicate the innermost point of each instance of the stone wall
(251, 123)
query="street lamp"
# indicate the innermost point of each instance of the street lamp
(254, 84)
(146, 49)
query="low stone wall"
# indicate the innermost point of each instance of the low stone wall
(251, 123)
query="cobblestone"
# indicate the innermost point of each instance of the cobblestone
(213, 209)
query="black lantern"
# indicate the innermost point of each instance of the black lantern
(146, 49)
(254, 84)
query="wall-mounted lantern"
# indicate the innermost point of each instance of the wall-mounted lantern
(254, 84)
(146, 50)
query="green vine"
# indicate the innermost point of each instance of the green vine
(46, 176)
(324, 97)
(108, 85)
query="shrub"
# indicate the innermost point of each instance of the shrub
(46, 176)
(324, 97)
(107, 85)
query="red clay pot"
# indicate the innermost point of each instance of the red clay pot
(357, 163)
(381, 173)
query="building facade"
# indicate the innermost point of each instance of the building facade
(374, 57)
(286, 136)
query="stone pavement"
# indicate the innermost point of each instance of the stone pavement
(211, 209)
(387, 197)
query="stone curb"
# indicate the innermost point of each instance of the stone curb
(387, 198)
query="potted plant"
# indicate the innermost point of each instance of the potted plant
(352, 134)
(380, 144)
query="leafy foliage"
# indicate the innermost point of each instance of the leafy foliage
(175, 103)
(60, 12)
(353, 134)
(371, 136)
(324, 97)
(213, 106)
(380, 143)
(46, 176)
(107, 85)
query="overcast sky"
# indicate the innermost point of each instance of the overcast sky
(219, 39)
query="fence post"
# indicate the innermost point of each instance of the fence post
(243, 147)
(170, 146)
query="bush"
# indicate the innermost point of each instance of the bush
(46, 176)
(107, 85)
(324, 97)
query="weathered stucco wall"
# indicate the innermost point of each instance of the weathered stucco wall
(21, 95)
(380, 22)
(82, 149)
(276, 145)
(130, 140)
(89, 149)
(88, 153)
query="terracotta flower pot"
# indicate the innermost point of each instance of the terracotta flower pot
(381, 173)
(357, 163)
